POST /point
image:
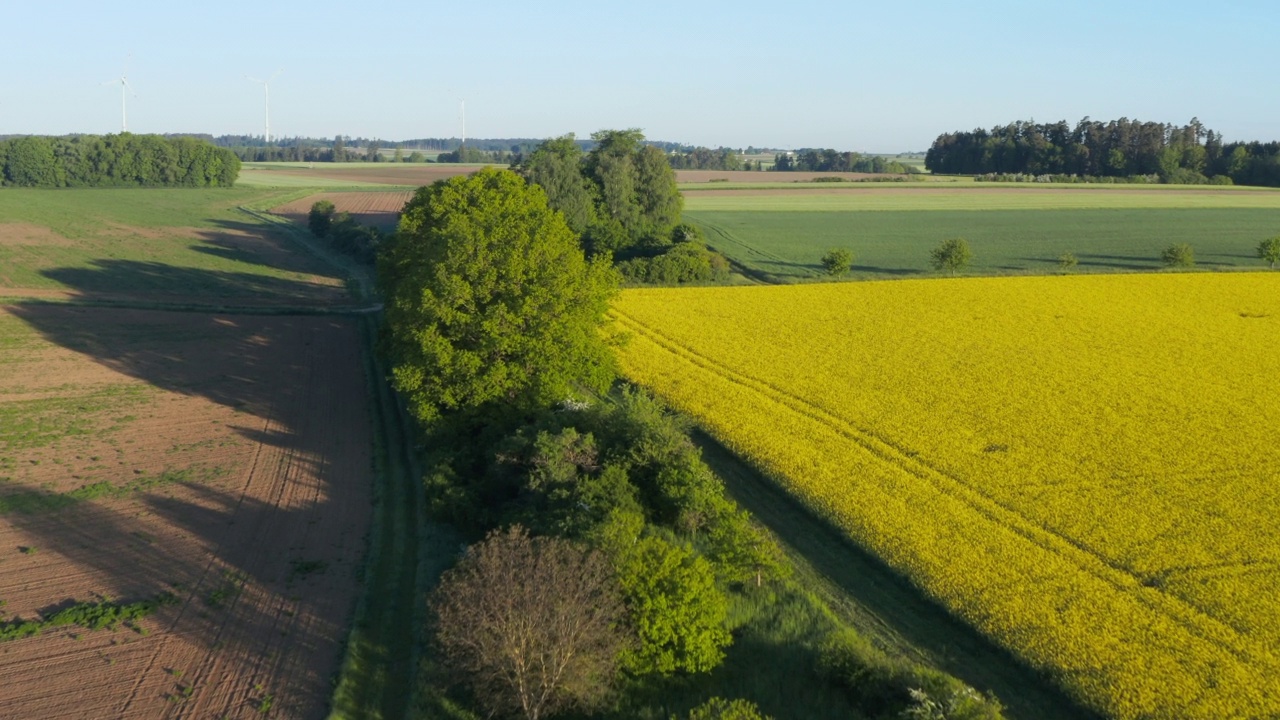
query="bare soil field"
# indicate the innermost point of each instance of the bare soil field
(379, 209)
(749, 176)
(224, 459)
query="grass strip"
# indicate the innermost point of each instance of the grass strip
(105, 615)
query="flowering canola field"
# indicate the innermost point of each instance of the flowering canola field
(1085, 468)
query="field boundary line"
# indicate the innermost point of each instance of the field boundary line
(357, 275)
(1190, 617)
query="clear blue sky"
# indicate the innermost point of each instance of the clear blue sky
(871, 76)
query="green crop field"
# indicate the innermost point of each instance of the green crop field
(178, 242)
(1011, 230)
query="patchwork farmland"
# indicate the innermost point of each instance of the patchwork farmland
(779, 235)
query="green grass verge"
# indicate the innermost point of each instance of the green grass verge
(786, 245)
(378, 672)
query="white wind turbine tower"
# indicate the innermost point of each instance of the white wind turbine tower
(125, 87)
(462, 115)
(266, 97)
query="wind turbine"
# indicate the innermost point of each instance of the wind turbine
(124, 88)
(266, 97)
(462, 114)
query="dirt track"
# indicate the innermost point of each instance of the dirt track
(262, 426)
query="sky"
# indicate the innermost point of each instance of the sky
(871, 76)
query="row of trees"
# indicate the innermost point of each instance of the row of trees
(343, 232)
(828, 160)
(621, 199)
(1119, 148)
(605, 550)
(494, 320)
(115, 160)
(701, 158)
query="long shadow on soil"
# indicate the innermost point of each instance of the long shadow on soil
(281, 375)
(864, 591)
(161, 282)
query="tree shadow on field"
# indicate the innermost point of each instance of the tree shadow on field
(144, 281)
(294, 491)
(865, 592)
(265, 246)
(1120, 262)
(876, 270)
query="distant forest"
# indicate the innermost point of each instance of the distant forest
(115, 160)
(1117, 149)
(828, 160)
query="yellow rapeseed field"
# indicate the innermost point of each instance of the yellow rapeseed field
(1085, 468)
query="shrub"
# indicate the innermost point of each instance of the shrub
(1067, 260)
(675, 607)
(687, 232)
(1269, 250)
(320, 219)
(718, 708)
(685, 262)
(837, 261)
(1180, 255)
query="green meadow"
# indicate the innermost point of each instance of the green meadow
(781, 236)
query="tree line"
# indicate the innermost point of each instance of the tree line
(115, 160)
(829, 160)
(701, 158)
(621, 200)
(604, 554)
(1121, 148)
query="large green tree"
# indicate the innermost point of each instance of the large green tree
(490, 300)
(638, 201)
(556, 165)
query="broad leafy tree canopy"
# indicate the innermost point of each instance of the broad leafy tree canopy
(490, 299)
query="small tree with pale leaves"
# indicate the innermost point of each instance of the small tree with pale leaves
(1269, 251)
(530, 624)
(952, 255)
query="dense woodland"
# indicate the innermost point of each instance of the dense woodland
(115, 160)
(1121, 148)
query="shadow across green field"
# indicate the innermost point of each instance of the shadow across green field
(160, 281)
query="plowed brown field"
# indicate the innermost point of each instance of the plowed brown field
(238, 450)
(379, 209)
